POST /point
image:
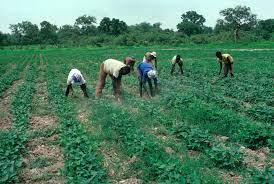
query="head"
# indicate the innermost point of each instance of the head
(76, 78)
(154, 54)
(152, 74)
(178, 58)
(130, 61)
(219, 55)
(125, 70)
(150, 58)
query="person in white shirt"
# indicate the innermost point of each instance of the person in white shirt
(177, 60)
(153, 61)
(76, 78)
(115, 69)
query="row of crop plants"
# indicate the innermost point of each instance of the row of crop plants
(12, 147)
(82, 163)
(8, 78)
(194, 121)
(155, 164)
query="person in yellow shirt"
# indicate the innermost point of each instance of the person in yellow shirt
(228, 63)
(115, 69)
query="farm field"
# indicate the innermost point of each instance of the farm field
(199, 128)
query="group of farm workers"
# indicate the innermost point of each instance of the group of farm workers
(146, 73)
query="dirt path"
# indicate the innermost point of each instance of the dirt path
(44, 161)
(6, 100)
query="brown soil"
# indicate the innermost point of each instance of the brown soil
(5, 105)
(221, 138)
(130, 181)
(116, 165)
(230, 177)
(41, 123)
(192, 153)
(42, 140)
(256, 158)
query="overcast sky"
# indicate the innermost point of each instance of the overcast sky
(167, 12)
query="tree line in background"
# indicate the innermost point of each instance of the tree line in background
(237, 24)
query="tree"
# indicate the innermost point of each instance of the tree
(192, 23)
(112, 27)
(86, 24)
(25, 32)
(193, 17)
(2, 37)
(266, 25)
(105, 25)
(48, 32)
(68, 32)
(238, 18)
(265, 28)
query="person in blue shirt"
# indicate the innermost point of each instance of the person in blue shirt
(146, 73)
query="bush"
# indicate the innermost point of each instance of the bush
(195, 138)
(226, 157)
(264, 176)
(255, 137)
(200, 39)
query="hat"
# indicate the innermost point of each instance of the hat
(151, 74)
(153, 54)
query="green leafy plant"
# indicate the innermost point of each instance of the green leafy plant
(226, 157)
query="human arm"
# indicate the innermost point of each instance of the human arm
(221, 66)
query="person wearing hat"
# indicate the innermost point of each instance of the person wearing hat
(75, 77)
(115, 69)
(177, 60)
(228, 63)
(146, 73)
(153, 61)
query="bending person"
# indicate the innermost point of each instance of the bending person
(75, 77)
(115, 69)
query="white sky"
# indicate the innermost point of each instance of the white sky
(168, 12)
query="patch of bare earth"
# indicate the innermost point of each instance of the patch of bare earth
(117, 164)
(42, 122)
(130, 181)
(256, 158)
(230, 177)
(5, 104)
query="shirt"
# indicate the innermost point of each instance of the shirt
(75, 77)
(173, 61)
(113, 67)
(143, 69)
(226, 58)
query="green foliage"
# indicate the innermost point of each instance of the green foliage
(195, 138)
(85, 25)
(240, 16)
(200, 39)
(82, 164)
(48, 33)
(112, 27)
(155, 162)
(264, 176)
(255, 137)
(192, 23)
(226, 157)
(12, 147)
(8, 78)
